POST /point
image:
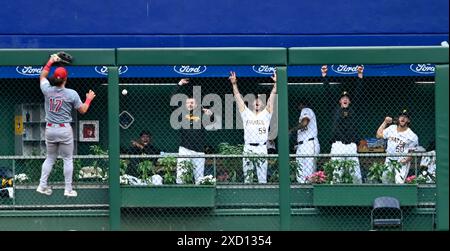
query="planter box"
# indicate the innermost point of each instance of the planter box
(168, 196)
(362, 195)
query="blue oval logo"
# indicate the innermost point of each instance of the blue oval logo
(264, 69)
(103, 70)
(422, 68)
(189, 70)
(29, 70)
(345, 69)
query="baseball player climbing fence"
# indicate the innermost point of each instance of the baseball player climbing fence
(199, 146)
(24, 127)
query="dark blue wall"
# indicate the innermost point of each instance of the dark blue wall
(156, 23)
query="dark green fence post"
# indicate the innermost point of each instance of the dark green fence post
(441, 94)
(114, 148)
(283, 149)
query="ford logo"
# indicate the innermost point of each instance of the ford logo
(189, 70)
(422, 68)
(345, 69)
(264, 69)
(29, 70)
(103, 70)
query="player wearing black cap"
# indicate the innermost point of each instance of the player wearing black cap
(345, 132)
(400, 139)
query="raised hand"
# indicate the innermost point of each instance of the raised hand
(360, 69)
(207, 112)
(232, 77)
(324, 70)
(90, 95)
(183, 81)
(388, 120)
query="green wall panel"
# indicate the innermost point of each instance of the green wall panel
(368, 55)
(14, 57)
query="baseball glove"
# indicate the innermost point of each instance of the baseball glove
(64, 58)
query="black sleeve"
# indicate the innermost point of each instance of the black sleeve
(358, 106)
(358, 90)
(354, 126)
(334, 129)
(134, 150)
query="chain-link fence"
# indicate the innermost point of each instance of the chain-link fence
(192, 134)
(342, 110)
(23, 151)
(200, 152)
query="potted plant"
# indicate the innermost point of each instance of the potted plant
(145, 169)
(274, 177)
(97, 170)
(383, 173)
(169, 165)
(339, 190)
(187, 168)
(231, 168)
(169, 194)
(339, 171)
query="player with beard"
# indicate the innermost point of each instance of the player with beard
(400, 139)
(192, 136)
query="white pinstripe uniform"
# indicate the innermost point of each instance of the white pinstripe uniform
(308, 143)
(399, 142)
(256, 134)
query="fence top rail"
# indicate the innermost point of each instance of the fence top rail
(149, 156)
(202, 56)
(368, 55)
(88, 57)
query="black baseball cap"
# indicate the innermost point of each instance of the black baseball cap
(145, 132)
(345, 94)
(404, 113)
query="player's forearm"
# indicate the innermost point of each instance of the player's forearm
(380, 130)
(238, 97)
(85, 106)
(408, 159)
(46, 69)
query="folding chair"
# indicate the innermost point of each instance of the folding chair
(386, 212)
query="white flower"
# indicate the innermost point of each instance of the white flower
(21, 177)
(90, 172)
(123, 180)
(156, 180)
(207, 180)
(424, 173)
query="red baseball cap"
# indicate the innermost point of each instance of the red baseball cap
(60, 73)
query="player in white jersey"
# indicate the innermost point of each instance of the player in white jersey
(59, 102)
(400, 139)
(307, 142)
(256, 130)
